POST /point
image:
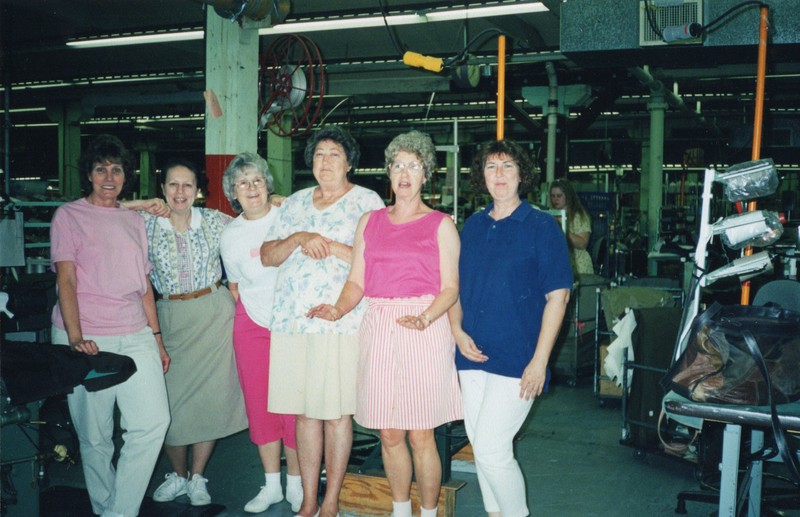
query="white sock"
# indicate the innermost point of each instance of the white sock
(273, 483)
(401, 509)
(293, 483)
(425, 512)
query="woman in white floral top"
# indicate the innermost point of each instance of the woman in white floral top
(196, 313)
(313, 362)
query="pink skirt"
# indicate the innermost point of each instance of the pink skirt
(406, 378)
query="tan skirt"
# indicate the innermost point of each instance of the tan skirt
(205, 398)
(313, 375)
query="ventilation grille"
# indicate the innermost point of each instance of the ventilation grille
(690, 11)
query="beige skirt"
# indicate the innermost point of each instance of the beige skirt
(205, 398)
(313, 375)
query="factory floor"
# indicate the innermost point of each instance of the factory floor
(569, 450)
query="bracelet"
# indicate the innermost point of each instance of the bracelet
(157, 333)
(425, 318)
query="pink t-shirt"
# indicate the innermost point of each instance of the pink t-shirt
(109, 249)
(401, 260)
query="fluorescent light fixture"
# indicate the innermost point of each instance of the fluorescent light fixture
(438, 15)
(137, 39)
(356, 22)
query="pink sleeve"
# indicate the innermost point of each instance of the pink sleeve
(62, 239)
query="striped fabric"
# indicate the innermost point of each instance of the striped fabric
(406, 378)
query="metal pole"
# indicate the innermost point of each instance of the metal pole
(757, 122)
(501, 86)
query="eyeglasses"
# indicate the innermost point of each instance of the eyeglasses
(257, 184)
(413, 168)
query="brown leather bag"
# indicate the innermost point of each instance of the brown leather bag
(717, 365)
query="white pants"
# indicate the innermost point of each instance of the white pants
(144, 412)
(493, 413)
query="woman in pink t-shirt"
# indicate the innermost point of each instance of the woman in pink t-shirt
(405, 262)
(105, 303)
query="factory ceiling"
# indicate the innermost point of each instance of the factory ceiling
(152, 94)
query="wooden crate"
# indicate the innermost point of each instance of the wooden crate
(369, 495)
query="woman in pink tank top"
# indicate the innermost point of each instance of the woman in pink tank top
(406, 264)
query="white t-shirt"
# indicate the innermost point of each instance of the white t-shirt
(240, 248)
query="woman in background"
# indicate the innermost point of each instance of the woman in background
(248, 186)
(579, 224)
(105, 303)
(514, 286)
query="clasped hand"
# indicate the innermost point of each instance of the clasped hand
(316, 247)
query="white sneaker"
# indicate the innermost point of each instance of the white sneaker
(295, 498)
(263, 501)
(198, 493)
(173, 487)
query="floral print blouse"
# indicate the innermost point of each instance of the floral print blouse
(304, 282)
(189, 261)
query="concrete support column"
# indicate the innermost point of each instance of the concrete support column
(231, 99)
(657, 107)
(279, 157)
(68, 117)
(147, 171)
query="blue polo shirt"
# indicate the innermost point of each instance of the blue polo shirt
(506, 268)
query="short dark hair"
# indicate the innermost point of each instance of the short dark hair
(339, 135)
(527, 168)
(104, 148)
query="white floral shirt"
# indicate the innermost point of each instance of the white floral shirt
(304, 282)
(189, 261)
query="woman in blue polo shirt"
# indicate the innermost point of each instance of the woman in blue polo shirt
(515, 280)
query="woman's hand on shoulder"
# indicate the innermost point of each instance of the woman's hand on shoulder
(276, 199)
(155, 206)
(468, 348)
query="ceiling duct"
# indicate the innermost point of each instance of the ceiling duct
(655, 21)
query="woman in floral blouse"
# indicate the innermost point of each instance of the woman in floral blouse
(196, 314)
(313, 362)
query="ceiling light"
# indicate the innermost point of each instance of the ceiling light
(137, 39)
(361, 22)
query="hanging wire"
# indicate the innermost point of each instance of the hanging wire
(462, 55)
(650, 20)
(398, 46)
(724, 15)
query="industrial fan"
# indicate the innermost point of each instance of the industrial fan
(291, 86)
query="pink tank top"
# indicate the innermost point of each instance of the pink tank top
(401, 260)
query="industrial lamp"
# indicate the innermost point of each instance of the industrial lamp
(758, 228)
(743, 181)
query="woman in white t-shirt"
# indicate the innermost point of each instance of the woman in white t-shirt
(248, 185)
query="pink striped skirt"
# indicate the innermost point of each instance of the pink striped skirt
(406, 378)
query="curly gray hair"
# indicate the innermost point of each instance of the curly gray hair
(241, 164)
(415, 142)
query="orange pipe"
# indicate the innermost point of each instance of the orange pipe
(501, 86)
(757, 122)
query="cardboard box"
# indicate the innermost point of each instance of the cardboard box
(607, 387)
